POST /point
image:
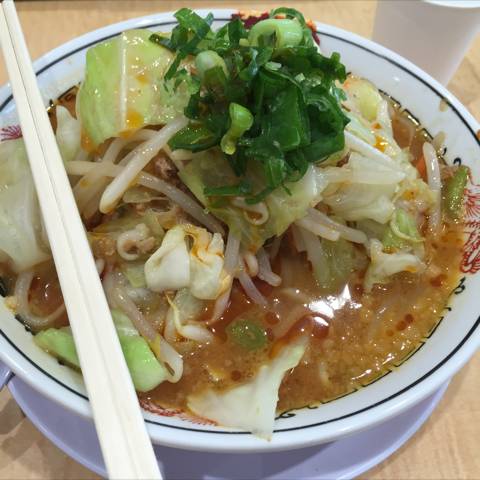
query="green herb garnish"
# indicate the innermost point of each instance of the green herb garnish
(264, 95)
(248, 334)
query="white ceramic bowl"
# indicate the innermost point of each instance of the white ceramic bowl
(448, 347)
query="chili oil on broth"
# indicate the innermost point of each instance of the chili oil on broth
(354, 337)
(68, 100)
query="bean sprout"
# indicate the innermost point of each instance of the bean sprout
(231, 260)
(251, 263)
(94, 182)
(139, 159)
(360, 146)
(198, 333)
(184, 201)
(318, 229)
(265, 270)
(249, 287)
(275, 247)
(100, 265)
(297, 238)
(435, 184)
(351, 234)
(118, 298)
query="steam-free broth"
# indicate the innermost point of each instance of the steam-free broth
(355, 336)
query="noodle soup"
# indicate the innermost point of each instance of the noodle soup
(306, 266)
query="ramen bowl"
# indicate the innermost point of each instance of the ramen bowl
(432, 362)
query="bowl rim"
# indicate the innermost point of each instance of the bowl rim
(294, 437)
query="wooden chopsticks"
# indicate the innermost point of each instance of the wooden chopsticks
(125, 444)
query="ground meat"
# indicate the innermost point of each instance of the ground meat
(103, 246)
(165, 169)
(147, 245)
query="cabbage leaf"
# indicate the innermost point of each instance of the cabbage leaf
(250, 406)
(67, 134)
(206, 264)
(384, 265)
(200, 267)
(21, 228)
(365, 189)
(364, 96)
(124, 88)
(169, 267)
(183, 311)
(334, 262)
(360, 201)
(146, 371)
(211, 169)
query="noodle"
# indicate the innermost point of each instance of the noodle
(119, 298)
(21, 292)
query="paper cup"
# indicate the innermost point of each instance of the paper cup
(433, 34)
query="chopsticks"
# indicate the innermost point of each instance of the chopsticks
(125, 444)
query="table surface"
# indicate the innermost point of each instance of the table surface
(446, 447)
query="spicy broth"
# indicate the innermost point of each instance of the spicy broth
(355, 337)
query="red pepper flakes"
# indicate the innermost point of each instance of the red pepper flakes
(250, 20)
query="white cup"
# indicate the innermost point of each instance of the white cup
(433, 34)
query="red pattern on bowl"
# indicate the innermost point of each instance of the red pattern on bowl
(151, 407)
(471, 250)
(10, 132)
(470, 264)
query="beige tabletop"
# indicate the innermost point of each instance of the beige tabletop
(446, 447)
